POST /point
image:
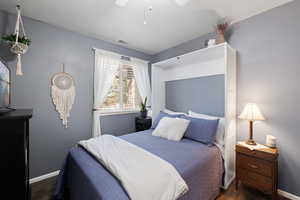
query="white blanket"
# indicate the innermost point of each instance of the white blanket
(143, 175)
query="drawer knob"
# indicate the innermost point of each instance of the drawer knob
(253, 166)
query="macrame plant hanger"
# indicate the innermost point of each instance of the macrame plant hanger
(17, 47)
(63, 94)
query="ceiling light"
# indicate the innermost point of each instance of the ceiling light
(124, 2)
(121, 3)
(146, 11)
(181, 2)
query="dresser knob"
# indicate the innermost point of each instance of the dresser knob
(253, 166)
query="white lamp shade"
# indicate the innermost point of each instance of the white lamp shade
(251, 112)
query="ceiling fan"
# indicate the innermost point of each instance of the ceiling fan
(124, 2)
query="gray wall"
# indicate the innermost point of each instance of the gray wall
(2, 22)
(49, 141)
(118, 124)
(268, 48)
(193, 94)
(184, 48)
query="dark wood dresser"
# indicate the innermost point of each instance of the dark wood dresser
(14, 145)
(257, 168)
(142, 124)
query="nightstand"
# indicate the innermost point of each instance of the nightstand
(142, 124)
(257, 168)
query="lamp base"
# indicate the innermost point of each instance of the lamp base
(250, 142)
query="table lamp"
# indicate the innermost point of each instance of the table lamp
(251, 113)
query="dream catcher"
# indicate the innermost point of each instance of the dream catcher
(63, 94)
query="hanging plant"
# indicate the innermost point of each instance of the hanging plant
(12, 39)
(18, 44)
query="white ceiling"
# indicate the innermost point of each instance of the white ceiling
(168, 24)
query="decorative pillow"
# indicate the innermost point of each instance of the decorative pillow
(171, 128)
(220, 135)
(202, 130)
(160, 116)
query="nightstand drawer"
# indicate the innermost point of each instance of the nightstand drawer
(255, 180)
(255, 165)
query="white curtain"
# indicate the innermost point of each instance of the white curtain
(141, 73)
(106, 67)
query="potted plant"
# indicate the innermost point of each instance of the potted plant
(18, 46)
(221, 29)
(143, 107)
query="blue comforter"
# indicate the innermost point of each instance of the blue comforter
(201, 166)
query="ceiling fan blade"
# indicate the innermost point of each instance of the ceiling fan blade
(121, 2)
(182, 2)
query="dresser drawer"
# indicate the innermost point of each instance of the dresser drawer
(255, 165)
(255, 180)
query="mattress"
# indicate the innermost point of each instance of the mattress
(201, 166)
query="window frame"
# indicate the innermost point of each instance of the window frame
(121, 110)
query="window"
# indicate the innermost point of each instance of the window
(123, 94)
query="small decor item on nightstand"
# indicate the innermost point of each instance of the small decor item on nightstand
(144, 110)
(271, 141)
(251, 113)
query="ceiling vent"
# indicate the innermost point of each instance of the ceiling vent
(122, 42)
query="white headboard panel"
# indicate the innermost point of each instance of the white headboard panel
(220, 59)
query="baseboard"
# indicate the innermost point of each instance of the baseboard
(43, 177)
(55, 173)
(288, 195)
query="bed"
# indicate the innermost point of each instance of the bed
(201, 166)
(179, 85)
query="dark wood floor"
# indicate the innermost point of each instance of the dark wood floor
(43, 191)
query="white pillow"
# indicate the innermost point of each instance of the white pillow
(170, 112)
(171, 128)
(220, 134)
